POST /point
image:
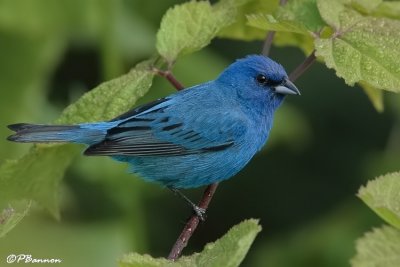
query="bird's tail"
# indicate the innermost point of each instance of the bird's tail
(35, 133)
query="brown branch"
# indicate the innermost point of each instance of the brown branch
(303, 67)
(192, 224)
(208, 194)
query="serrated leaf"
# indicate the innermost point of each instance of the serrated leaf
(37, 174)
(375, 95)
(12, 215)
(240, 29)
(330, 11)
(378, 248)
(302, 11)
(298, 16)
(363, 49)
(228, 251)
(382, 196)
(269, 23)
(190, 26)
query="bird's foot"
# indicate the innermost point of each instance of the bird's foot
(200, 212)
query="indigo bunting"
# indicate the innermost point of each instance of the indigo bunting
(198, 136)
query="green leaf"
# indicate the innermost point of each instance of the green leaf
(240, 29)
(228, 251)
(380, 247)
(382, 196)
(38, 173)
(330, 11)
(375, 95)
(12, 215)
(269, 23)
(299, 16)
(362, 49)
(302, 11)
(190, 26)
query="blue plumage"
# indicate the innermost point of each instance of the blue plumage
(198, 136)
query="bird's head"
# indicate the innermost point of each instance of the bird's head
(258, 79)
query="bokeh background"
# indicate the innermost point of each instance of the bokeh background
(324, 145)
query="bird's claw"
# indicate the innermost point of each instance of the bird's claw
(200, 212)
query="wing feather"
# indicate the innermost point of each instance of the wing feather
(151, 130)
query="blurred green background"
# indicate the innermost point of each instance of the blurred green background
(302, 186)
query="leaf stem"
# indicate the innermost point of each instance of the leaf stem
(170, 77)
(192, 223)
(303, 67)
(208, 194)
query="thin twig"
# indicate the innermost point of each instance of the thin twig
(270, 36)
(268, 43)
(303, 67)
(170, 77)
(208, 194)
(192, 224)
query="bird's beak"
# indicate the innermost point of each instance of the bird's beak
(287, 88)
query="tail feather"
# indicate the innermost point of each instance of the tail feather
(36, 133)
(25, 132)
(85, 133)
(20, 126)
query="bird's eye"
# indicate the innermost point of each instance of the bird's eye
(261, 79)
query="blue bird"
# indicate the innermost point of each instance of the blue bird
(198, 136)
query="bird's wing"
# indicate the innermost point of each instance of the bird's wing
(163, 129)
